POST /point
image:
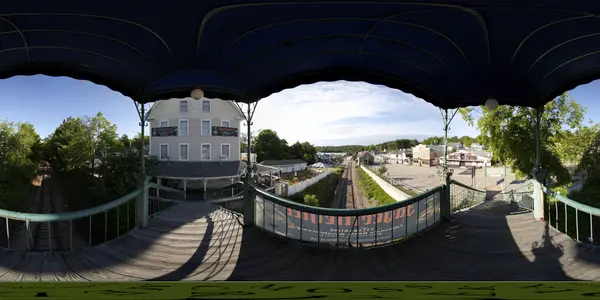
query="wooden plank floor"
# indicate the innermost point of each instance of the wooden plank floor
(196, 241)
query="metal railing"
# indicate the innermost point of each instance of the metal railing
(157, 204)
(235, 204)
(522, 197)
(350, 228)
(463, 196)
(232, 192)
(579, 221)
(76, 229)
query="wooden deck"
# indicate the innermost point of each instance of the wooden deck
(196, 241)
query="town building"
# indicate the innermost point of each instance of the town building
(427, 155)
(285, 165)
(365, 158)
(476, 146)
(196, 142)
(470, 158)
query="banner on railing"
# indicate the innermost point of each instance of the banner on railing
(373, 228)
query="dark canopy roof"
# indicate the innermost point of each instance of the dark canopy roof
(450, 53)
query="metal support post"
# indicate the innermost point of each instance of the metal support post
(249, 205)
(538, 120)
(538, 173)
(485, 176)
(445, 172)
(142, 202)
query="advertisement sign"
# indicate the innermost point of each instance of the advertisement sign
(164, 131)
(224, 131)
(375, 228)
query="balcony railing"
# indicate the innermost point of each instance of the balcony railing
(577, 220)
(347, 228)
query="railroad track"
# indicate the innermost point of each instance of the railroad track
(350, 190)
(46, 236)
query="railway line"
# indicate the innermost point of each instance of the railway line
(46, 236)
(350, 189)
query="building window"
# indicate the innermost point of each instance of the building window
(225, 123)
(205, 127)
(184, 150)
(206, 106)
(164, 123)
(225, 151)
(164, 151)
(183, 106)
(183, 127)
(205, 152)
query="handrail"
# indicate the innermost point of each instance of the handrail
(228, 199)
(164, 188)
(72, 215)
(579, 206)
(466, 186)
(343, 211)
(67, 216)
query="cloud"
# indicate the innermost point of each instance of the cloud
(339, 113)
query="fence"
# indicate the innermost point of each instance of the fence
(301, 186)
(521, 197)
(78, 229)
(343, 228)
(579, 221)
(463, 196)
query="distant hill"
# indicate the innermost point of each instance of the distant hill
(405, 141)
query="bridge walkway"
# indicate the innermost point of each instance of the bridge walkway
(199, 241)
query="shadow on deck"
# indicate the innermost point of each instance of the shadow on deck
(197, 241)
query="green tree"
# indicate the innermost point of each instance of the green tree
(68, 147)
(268, 145)
(434, 140)
(509, 132)
(136, 142)
(575, 145)
(20, 157)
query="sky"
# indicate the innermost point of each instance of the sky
(325, 113)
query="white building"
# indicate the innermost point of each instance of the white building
(286, 165)
(469, 158)
(196, 142)
(478, 147)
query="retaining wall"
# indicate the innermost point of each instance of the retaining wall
(391, 190)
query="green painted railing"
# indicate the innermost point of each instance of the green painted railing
(522, 197)
(367, 227)
(579, 221)
(77, 229)
(157, 204)
(463, 196)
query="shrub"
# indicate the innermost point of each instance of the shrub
(324, 190)
(310, 199)
(382, 170)
(339, 171)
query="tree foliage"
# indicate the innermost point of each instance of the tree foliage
(20, 157)
(268, 145)
(510, 133)
(96, 163)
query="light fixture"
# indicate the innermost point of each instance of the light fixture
(197, 94)
(491, 103)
